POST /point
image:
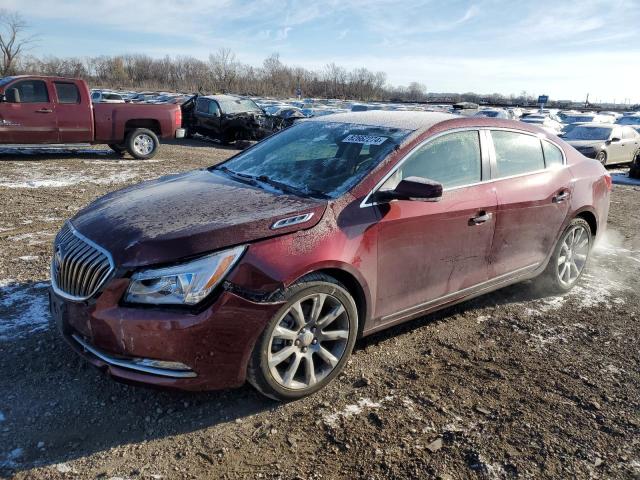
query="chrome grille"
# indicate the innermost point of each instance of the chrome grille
(79, 267)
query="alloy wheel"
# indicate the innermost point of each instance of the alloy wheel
(308, 341)
(602, 158)
(573, 254)
(143, 144)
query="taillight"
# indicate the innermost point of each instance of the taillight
(178, 117)
(608, 181)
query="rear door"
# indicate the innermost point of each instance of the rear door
(28, 113)
(533, 185)
(429, 250)
(73, 110)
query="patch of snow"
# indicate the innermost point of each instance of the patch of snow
(29, 258)
(24, 309)
(354, 409)
(63, 468)
(60, 181)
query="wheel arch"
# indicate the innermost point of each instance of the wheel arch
(590, 218)
(353, 282)
(148, 123)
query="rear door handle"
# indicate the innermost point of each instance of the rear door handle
(560, 197)
(44, 110)
(481, 218)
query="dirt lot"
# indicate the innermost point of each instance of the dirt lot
(508, 385)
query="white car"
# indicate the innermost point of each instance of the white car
(545, 122)
(98, 96)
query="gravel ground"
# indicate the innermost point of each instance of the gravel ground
(507, 385)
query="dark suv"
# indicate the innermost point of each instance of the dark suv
(227, 118)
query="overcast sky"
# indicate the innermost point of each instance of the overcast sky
(563, 48)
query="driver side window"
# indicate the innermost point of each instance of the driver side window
(453, 160)
(27, 91)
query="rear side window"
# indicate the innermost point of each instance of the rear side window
(552, 155)
(453, 160)
(67, 92)
(628, 133)
(27, 91)
(516, 153)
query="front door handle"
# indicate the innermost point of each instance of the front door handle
(44, 110)
(481, 218)
(560, 197)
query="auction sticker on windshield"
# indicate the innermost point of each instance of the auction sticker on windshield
(364, 139)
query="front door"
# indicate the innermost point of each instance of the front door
(28, 113)
(429, 250)
(208, 117)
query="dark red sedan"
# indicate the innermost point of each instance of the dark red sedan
(269, 266)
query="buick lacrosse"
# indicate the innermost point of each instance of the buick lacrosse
(267, 268)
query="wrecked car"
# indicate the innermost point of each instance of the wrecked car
(267, 267)
(226, 118)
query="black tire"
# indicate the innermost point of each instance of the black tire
(259, 374)
(550, 281)
(118, 149)
(233, 136)
(142, 143)
(634, 169)
(602, 158)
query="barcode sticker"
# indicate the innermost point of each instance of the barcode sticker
(364, 139)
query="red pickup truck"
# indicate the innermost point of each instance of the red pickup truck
(56, 110)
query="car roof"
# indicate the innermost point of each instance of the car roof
(409, 120)
(600, 124)
(224, 97)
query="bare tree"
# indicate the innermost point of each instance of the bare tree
(224, 68)
(13, 39)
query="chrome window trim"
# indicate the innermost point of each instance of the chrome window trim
(486, 147)
(112, 267)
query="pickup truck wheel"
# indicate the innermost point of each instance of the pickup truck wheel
(119, 149)
(634, 170)
(142, 143)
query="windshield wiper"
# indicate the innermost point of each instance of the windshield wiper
(285, 187)
(242, 177)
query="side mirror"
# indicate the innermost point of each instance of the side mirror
(412, 188)
(614, 139)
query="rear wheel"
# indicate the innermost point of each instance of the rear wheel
(142, 143)
(308, 342)
(569, 258)
(602, 157)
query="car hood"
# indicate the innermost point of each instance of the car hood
(179, 216)
(578, 144)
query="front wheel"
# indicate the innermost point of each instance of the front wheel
(142, 143)
(308, 341)
(569, 258)
(602, 157)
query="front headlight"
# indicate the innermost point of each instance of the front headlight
(184, 284)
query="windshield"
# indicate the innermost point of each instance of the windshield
(629, 121)
(323, 159)
(238, 105)
(487, 113)
(588, 133)
(577, 118)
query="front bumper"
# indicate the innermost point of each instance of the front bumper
(214, 345)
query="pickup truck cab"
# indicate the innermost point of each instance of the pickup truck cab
(227, 118)
(57, 110)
